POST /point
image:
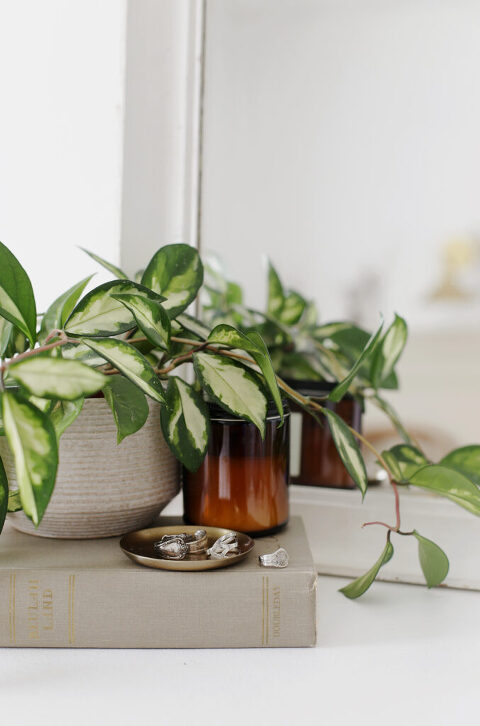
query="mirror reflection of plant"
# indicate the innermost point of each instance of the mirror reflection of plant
(126, 338)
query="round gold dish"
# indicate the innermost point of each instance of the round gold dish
(139, 547)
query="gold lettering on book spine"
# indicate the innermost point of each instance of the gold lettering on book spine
(11, 609)
(265, 610)
(71, 609)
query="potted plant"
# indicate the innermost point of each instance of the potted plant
(139, 331)
(313, 358)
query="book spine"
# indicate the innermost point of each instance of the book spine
(148, 609)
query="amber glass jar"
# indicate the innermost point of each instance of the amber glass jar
(314, 458)
(243, 481)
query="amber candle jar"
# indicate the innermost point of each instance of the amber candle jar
(243, 481)
(314, 457)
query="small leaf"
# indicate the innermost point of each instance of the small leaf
(129, 406)
(276, 296)
(388, 409)
(348, 449)
(64, 414)
(232, 386)
(99, 313)
(185, 423)
(433, 561)
(6, 329)
(389, 351)
(466, 460)
(405, 459)
(150, 317)
(56, 377)
(17, 302)
(339, 391)
(361, 584)
(131, 363)
(116, 271)
(14, 503)
(4, 499)
(262, 359)
(176, 272)
(233, 338)
(193, 325)
(61, 308)
(449, 483)
(293, 307)
(32, 439)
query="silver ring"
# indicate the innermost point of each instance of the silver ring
(224, 545)
(279, 558)
(174, 548)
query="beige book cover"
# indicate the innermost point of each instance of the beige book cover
(88, 594)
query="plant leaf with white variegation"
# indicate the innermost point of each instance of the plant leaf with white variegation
(3, 495)
(6, 328)
(56, 377)
(17, 302)
(64, 414)
(232, 386)
(131, 363)
(348, 450)
(99, 314)
(116, 271)
(176, 272)
(449, 483)
(388, 352)
(276, 296)
(150, 317)
(185, 423)
(60, 309)
(128, 403)
(31, 437)
(188, 322)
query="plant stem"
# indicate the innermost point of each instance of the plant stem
(35, 351)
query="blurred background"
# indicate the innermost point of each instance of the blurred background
(340, 138)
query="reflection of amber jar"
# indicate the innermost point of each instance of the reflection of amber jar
(314, 458)
(243, 481)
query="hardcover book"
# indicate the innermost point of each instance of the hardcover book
(88, 594)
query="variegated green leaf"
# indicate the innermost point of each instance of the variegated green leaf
(252, 343)
(6, 329)
(3, 495)
(193, 325)
(129, 361)
(99, 314)
(433, 560)
(82, 353)
(56, 377)
(361, 584)
(348, 449)
(176, 272)
(33, 442)
(466, 460)
(64, 414)
(404, 460)
(116, 271)
(14, 503)
(60, 309)
(150, 317)
(232, 386)
(276, 296)
(185, 423)
(17, 302)
(293, 307)
(449, 483)
(388, 351)
(128, 403)
(341, 389)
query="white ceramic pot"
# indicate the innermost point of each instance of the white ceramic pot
(104, 489)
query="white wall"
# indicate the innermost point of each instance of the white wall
(341, 138)
(61, 125)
